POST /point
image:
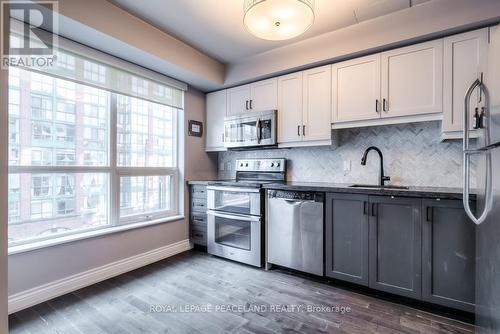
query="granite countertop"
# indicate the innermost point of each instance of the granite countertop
(427, 192)
(423, 192)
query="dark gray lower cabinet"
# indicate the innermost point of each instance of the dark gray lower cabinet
(346, 239)
(448, 255)
(422, 249)
(374, 241)
(395, 245)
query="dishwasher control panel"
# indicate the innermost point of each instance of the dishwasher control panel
(296, 195)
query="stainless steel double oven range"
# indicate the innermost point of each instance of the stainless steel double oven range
(236, 210)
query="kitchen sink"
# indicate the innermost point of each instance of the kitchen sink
(373, 186)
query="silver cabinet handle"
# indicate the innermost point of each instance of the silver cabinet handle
(385, 105)
(298, 130)
(377, 106)
(246, 104)
(251, 104)
(304, 130)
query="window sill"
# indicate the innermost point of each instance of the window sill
(86, 235)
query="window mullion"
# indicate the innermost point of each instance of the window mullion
(57, 169)
(115, 178)
(145, 171)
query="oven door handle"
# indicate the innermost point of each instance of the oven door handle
(233, 216)
(234, 189)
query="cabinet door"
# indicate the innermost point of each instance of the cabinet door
(290, 108)
(448, 255)
(346, 240)
(317, 88)
(215, 113)
(238, 100)
(356, 89)
(395, 245)
(264, 95)
(412, 79)
(465, 57)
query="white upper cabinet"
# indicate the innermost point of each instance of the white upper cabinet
(420, 82)
(465, 58)
(215, 113)
(304, 108)
(257, 96)
(317, 104)
(356, 89)
(264, 95)
(238, 100)
(412, 80)
(290, 108)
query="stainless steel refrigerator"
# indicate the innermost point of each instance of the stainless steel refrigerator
(484, 155)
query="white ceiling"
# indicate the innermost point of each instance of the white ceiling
(215, 27)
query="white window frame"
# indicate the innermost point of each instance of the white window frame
(119, 172)
(114, 173)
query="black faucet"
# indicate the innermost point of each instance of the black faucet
(383, 178)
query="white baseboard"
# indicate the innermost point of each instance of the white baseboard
(39, 294)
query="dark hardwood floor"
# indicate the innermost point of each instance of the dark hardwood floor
(124, 304)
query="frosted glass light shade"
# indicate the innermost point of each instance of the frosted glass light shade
(278, 19)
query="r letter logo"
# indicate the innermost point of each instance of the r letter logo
(33, 33)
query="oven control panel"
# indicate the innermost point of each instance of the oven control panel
(261, 165)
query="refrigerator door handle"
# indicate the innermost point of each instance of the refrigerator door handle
(488, 199)
(467, 153)
(482, 88)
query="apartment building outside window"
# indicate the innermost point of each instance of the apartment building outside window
(83, 158)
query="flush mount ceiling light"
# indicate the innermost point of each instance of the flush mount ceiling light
(278, 19)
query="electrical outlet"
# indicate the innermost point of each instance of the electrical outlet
(347, 165)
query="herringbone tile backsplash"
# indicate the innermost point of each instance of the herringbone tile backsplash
(413, 155)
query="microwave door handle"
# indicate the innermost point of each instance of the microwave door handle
(258, 130)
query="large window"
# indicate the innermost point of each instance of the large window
(84, 158)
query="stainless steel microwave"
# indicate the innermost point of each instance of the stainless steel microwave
(251, 129)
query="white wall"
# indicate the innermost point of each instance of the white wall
(31, 269)
(201, 165)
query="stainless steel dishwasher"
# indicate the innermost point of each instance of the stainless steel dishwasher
(295, 230)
